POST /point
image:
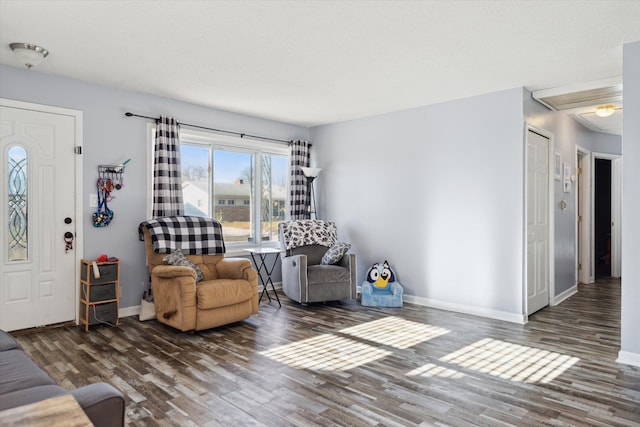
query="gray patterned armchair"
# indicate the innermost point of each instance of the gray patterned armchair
(315, 267)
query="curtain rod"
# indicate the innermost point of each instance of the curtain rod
(240, 134)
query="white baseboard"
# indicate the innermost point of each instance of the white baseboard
(467, 309)
(628, 358)
(442, 305)
(564, 295)
(129, 311)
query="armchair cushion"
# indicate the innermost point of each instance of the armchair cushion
(177, 258)
(327, 274)
(335, 253)
(222, 292)
(314, 253)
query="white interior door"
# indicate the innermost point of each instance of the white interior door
(538, 237)
(38, 280)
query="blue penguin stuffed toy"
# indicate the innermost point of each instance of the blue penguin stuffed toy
(380, 289)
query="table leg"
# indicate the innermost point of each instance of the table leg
(260, 266)
(275, 261)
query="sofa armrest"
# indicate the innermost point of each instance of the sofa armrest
(294, 278)
(103, 404)
(237, 268)
(7, 342)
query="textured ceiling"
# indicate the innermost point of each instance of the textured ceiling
(316, 62)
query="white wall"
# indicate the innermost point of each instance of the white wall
(630, 347)
(438, 192)
(605, 143)
(111, 137)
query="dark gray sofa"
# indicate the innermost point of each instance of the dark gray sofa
(22, 382)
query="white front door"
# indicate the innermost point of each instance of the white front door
(538, 276)
(38, 198)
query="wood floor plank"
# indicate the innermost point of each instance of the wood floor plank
(341, 364)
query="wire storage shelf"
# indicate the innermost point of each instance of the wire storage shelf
(110, 169)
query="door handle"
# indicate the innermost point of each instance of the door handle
(68, 240)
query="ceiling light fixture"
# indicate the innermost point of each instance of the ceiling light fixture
(30, 54)
(605, 110)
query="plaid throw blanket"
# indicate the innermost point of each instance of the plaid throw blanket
(191, 234)
(303, 232)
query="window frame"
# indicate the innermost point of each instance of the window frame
(216, 141)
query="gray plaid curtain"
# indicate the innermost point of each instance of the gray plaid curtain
(299, 199)
(167, 178)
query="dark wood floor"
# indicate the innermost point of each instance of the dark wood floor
(343, 364)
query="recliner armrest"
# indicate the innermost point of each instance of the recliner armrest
(295, 263)
(169, 271)
(294, 277)
(349, 261)
(174, 295)
(236, 268)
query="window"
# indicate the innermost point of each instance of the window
(18, 197)
(242, 183)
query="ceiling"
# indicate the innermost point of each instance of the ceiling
(318, 62)
(581, 100)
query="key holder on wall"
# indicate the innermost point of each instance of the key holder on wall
(113, 174)
(110, 177)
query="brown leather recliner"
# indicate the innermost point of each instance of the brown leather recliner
(228, 293)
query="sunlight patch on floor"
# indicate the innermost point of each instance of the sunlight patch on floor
(395, 332)
(511, 361)
(326, 352)
(432, 370)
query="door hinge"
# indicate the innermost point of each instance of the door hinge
(579, 171)
(579, 218)
(77, 149)
(579, 266)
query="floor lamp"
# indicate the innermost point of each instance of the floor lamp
(311, 174)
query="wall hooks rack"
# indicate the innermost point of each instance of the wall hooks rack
(113, 173)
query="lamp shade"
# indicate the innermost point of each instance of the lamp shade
(310, 172)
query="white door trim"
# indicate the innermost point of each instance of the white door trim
(587, 256)
(616, 217)
(616, 208)
(552, 145)
(78, 120)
